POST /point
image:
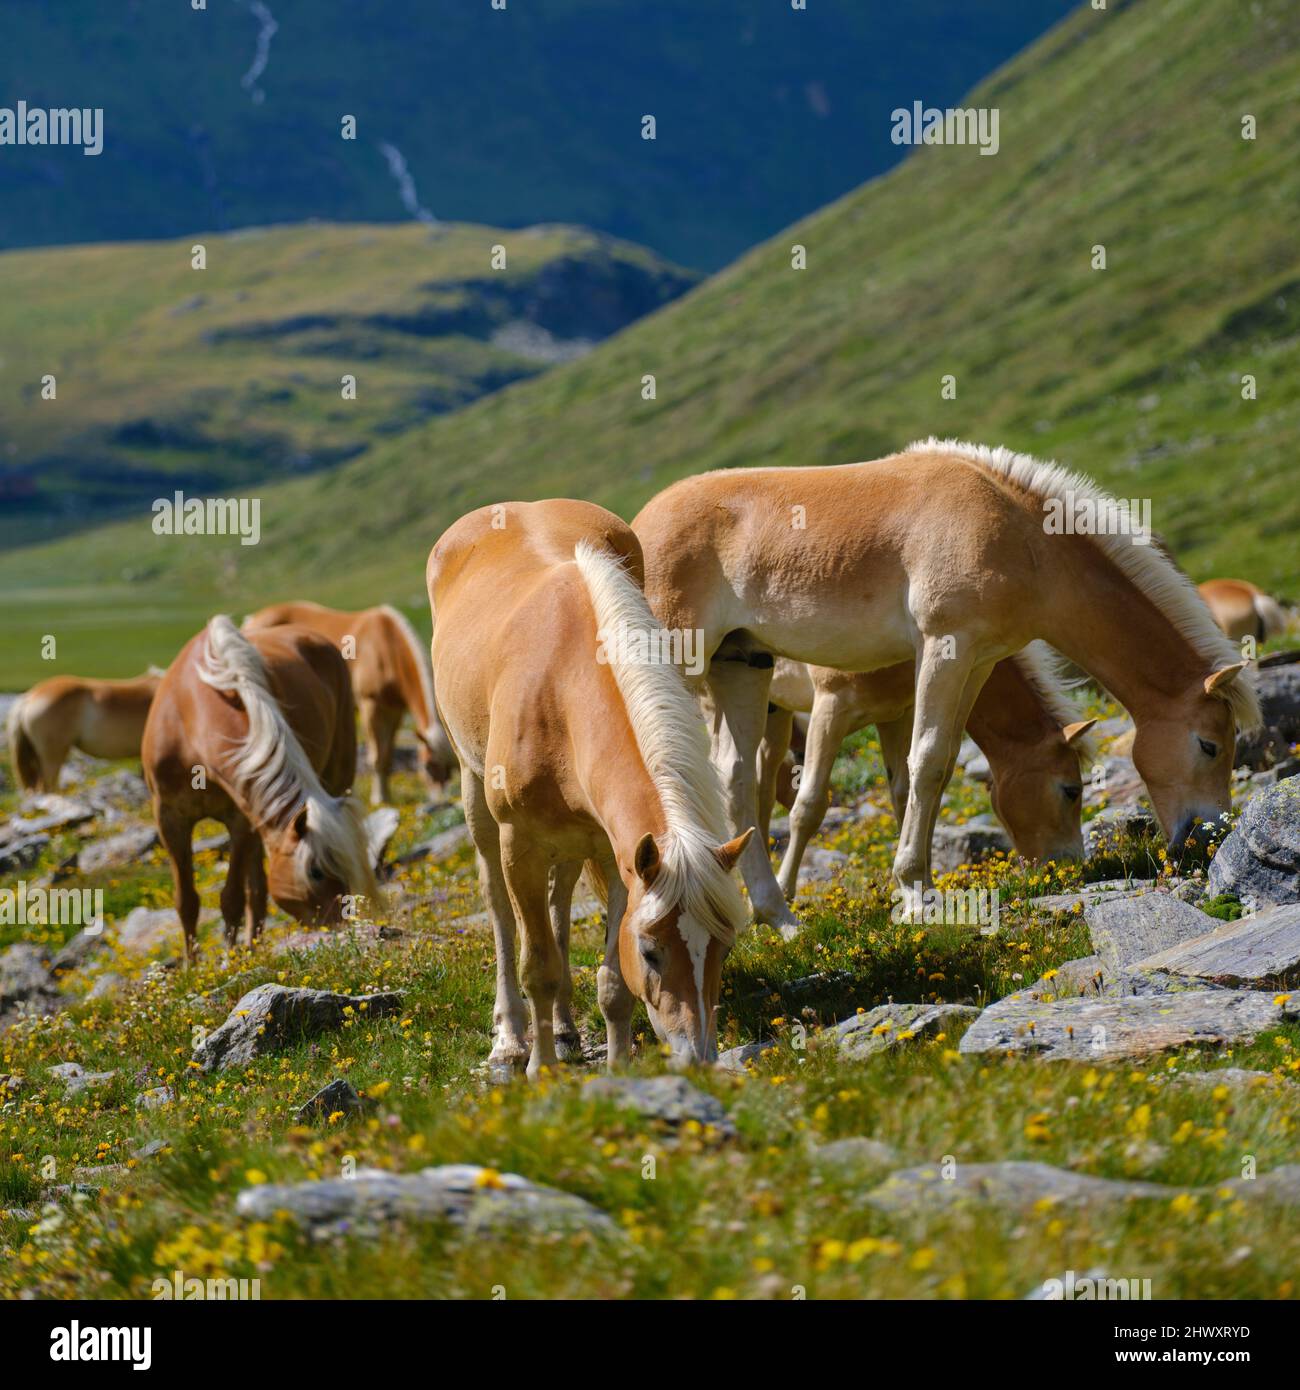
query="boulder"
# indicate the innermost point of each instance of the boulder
(1250, 951)
(77, 950)
(146, 929)
(737, 1058)
(1259, 862)
(274, 1016)
(337, 1097)
(155, 1098)
(671, 1100)
(461, 1193)
(821, 865)
(884, 1027)
(123, 848)
(438, 847)
(77, 1079)
(1114, 778)
(1277, 680)
(1109, 1029)
(1131, 929)
(1108, 830)
(121, 790)
(955, 845)
(1107, 891)
(54, 813)
(1082, 977)
(24, 974)
(853, 1155)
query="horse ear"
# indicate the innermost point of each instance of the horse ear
(729, 854)
(646, 859)
(1221, 680)
(1074, 732)
(300, 822)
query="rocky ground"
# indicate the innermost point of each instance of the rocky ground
(901, 1110)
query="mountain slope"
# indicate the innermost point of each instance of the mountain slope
(513, 116)
(1122, 128)
(173, 377)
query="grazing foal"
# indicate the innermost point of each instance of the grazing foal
(578, 745)
(258, 731)
(103, 718)
(953, 556)
(389, 666)
(1242, 610)
(1022, 719)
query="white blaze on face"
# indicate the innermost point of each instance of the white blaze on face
(697, 945)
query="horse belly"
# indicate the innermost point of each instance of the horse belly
(108, 734)
(846, 633)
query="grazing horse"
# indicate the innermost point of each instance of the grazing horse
(103, 718)
(1021, 719)
(954, 556)
(578, 746)
(1242, 610)
(258, 731)
(390, 673)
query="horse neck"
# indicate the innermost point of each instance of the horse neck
(1009, 716)
(1094, 614)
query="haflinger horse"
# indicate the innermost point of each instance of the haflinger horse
(1023, 720)
(258, 731)
(390, 673)
(954, 556)
(577, 746)
(1242, 610)
(103, 718)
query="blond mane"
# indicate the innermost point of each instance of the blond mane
(1044, 669)
(272, 770)
(674, 746)
(1147, 567)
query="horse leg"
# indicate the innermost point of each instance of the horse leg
(509, 1049)
(176, 832)
(740, 715)
(257, 892)
(946, 687)
(616, 1000)
(826, 731)
(527, 873)
(371, 719)
(771, 754)
(564, 878)
(895, 735)
(234, 895)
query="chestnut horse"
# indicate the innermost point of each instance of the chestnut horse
(258, 731)
(103, 718)
(953, 556)
(1242, 610)
(577, 746)
(1022, 719)
(390, 673)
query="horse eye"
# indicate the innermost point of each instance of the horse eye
(1072, 792)
(1209, 749)
(651, 957)
(316, 873)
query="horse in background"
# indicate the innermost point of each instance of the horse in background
(578, 748)
(1023, 720)
(390, 672)
(258, 731)
(103, 718)
(1242, 610)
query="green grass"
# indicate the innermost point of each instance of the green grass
(1122, 127)
(757, 1216)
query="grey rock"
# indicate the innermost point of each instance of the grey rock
(1113, 888)
(1092, 1030)
(56, 813)
(123, 848)
(737, 1058)
(272, 1016)
(338, 1095)
(978, 769)
(462, 1193)
(77, 1079)
(120, 790)
(1239, 1078)
(77, 950)
(1082, 977)
(1259, 862)
(21, 853)
(155, 1098)
(150, 1150)
(146, 929)
(670, 1099)
(221, 840)
(1108, 829)
(1250, 951)
(853, 1155)
(1277, 682)
(1131, 929)
(109, 984)
(822, 865)
(1115, 778)
(955, 845)
(884, 1027)
(24, 974)
(1190, 890)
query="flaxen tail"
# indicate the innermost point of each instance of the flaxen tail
(22, 751)
(1273, 618)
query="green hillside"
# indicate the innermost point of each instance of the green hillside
(232, 116)
(172, 376)
(1122, 128)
